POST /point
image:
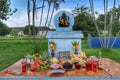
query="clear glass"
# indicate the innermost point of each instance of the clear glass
(100, 61)
(28, 65)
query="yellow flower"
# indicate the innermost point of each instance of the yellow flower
(52, 45)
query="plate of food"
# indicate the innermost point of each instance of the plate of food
(68, 66)
(56, 66)
(57, 71)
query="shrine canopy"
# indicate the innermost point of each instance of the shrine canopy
(64, 21)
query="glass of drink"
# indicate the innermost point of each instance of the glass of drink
(77, 66)
(33, 67)
(95, 65)
(23, 66)
(89, 65)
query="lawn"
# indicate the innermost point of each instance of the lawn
(11, 50)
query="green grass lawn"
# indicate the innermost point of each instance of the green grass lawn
(11, 50)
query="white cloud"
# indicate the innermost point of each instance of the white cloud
(17, 22)
(22, 20)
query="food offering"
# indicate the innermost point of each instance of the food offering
(56, 66)
(36, 62)
(68, 66)
(78, 58)
(36, 56)
(54, 60)
(41, 65)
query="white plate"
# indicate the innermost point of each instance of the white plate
(58, 71)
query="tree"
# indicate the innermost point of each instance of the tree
(5, 10)
(42, 12)
(28, 13)
(14, 33)
(34, 8)
(80, 10)
(116, 27)
(108, 24)
(4, 29)
(26, 30)
(83, 20)
(56, 5)
(49, 4)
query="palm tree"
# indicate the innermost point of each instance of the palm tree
(49, 4)
(42, 11)
(105, 43)
(94, 20)
(28, 12)
(80, 9)
(56, 6)
(33, 15)
(111, 22)
(105, 21)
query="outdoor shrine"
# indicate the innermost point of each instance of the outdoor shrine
(60, 67)
(64, 34)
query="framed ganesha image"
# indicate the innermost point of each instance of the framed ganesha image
(64, 55)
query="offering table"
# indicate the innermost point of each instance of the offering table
(112, 71)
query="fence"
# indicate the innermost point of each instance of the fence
(94, 42)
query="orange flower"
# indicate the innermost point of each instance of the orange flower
(53, 47)
(76, 47)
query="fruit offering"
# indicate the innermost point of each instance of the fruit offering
(36, 56)
(41, 65)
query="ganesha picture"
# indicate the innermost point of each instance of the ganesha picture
(64, 20)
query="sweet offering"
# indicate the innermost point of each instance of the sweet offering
(67, 65)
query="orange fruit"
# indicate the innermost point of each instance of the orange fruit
(62, 63)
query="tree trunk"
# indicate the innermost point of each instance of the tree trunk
(48, 14)
(115, 39)
(51, 18)
(47, 17)
(111, 23)
(94, 20)
(28, 12)
(42, 12)
(33, 16)
(51, 15)
(105, 12)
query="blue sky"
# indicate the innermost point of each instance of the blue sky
(19, 19)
